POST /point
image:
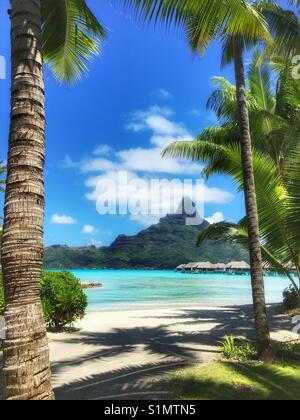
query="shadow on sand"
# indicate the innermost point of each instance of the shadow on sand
(175, 348)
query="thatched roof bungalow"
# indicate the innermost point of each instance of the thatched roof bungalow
(207, 267)
(180, 267)
(238, 266)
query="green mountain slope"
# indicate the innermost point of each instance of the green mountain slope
(162, 246)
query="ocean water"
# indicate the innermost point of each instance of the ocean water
(152, 289)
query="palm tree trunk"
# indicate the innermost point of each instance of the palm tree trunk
(26, 355)
(258, 289)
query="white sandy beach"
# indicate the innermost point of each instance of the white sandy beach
(124, 355)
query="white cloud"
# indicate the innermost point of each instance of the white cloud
(150, 160)
(142, 164)
(89, 230)
(164, 131)
(139, 120)
(103, 150)
(156, 119)
(216, 218)
(97, 165)
(164, 94)
(145, 204)
(63, 220)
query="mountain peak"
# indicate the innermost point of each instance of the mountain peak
(186, 214)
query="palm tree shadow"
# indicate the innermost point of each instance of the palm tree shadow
(139, 382)
(181, 343)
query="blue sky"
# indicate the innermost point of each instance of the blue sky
(145, 89)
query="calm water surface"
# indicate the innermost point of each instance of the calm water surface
(151, 289)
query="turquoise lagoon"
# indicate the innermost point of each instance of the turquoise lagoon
(130, 290)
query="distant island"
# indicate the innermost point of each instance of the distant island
(165, 245)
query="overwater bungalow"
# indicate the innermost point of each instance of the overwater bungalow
(220, 268)
(205, 267)
(190, 268)
(234, 267)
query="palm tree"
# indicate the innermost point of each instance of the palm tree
(274, 121)
(2, 189)
(278, 200)
(240, 25)
(274, 118)
(65, 34)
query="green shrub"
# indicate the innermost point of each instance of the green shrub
(1, 296)
(63, 299)
(288, 351)
(239, 351)
(291, 299)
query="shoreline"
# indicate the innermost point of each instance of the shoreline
(125, 354)
(110, 354)
(167, 306)
(145, 307)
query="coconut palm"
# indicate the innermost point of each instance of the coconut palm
(278, 201)
(239, 25)
(65, 34)
(274, 117)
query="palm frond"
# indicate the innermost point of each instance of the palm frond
(260, 83)
(197, 151)
(293, 207)
(205, 20)
(71, 37)
(223, 100)
(284, 27)
(238, 234)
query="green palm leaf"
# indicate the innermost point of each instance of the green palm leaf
(71, 37)
(205, 20)
(293, 206)
(284, 27)
(260, 83)
(238, 234)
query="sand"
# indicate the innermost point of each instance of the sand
(125, 354)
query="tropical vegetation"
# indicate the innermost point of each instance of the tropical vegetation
(63, 299)
(274, 119)
(66, 35)
(240, 377)
(239, 381)
(291, 301)
(239, 350)
(162, 246)
(240, 25)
